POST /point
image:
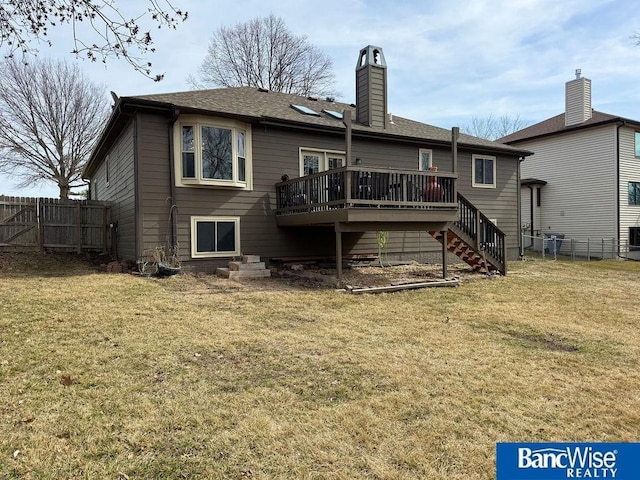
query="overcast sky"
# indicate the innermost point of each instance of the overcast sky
(447, 61)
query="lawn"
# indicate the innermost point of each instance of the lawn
(121, 377)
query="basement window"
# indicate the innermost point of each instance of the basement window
(304, 110)
(634, 237)
(215, 237)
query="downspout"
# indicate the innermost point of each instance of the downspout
(619, 125)
(519, 213)
(173, 220)
(532, 214)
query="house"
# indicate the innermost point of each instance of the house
(224, 172)
(583, 180)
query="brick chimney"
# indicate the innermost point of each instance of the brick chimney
(577, 100)
(371, 88)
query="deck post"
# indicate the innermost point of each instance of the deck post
(445, 240)
(346, 120)
(455, 133)
(339, 253)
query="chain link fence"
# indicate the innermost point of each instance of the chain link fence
(552, 245)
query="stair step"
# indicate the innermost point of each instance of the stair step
(236, 266)
(226, 273)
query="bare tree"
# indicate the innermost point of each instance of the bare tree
(263, 53)
(50, 119)
(24, 23)
(493, 128)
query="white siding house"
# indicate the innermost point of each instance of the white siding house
(583, 179)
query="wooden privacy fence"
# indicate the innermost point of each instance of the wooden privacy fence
(28, 224)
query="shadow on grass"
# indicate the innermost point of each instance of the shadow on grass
(57, 264)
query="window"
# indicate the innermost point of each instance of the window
(637, 143)
(215, 237)
(634, 237)
(212, 152)
(314, 161)
(424, 159)
(634, 193)
(334, 114)
(305, 110)
(538, 196)
(484, 171)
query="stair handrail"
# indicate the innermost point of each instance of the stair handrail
(485, 235)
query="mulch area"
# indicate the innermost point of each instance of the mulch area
(285, 277)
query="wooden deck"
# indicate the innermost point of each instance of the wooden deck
(369, 198)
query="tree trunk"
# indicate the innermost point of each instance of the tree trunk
(64, 191)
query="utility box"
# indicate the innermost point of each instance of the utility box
(553, 246)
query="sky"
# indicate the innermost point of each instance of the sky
(447, 62)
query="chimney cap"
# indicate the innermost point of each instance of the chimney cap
(371, 55)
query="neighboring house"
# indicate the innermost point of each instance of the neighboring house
(583, 180)
(233, 171)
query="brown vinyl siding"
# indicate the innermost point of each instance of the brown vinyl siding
(276, 152)
(120, 191)
(154, 181)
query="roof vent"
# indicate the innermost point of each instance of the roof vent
(263, 90)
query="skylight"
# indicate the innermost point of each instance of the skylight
(334, 114)
(305, 110)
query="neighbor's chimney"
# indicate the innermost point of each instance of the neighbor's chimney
(577, 100)
(371, 88)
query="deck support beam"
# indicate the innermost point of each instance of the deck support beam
(444, 254)
(339, 253)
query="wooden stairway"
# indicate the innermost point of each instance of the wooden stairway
(475, 239)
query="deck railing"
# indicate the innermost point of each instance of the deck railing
(485, 234)
(357, 186)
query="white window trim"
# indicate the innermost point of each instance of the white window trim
(194, 240)
(198, 121)
(321, 152)
(474, 157)
(420, 152)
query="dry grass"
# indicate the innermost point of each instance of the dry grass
(114, 376)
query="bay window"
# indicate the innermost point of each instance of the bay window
(212, 152)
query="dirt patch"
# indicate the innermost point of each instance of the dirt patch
(358, 276)
(550, 342)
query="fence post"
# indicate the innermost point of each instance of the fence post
(79, 229)
(105, 222)
(544, 245)
(573, 249)
(40, 219)
(602, 248)
(613, 248)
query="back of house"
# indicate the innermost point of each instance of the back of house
(225, 172)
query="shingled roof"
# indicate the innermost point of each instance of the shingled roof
(556, 125)
(254, 104)
(261, 106)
